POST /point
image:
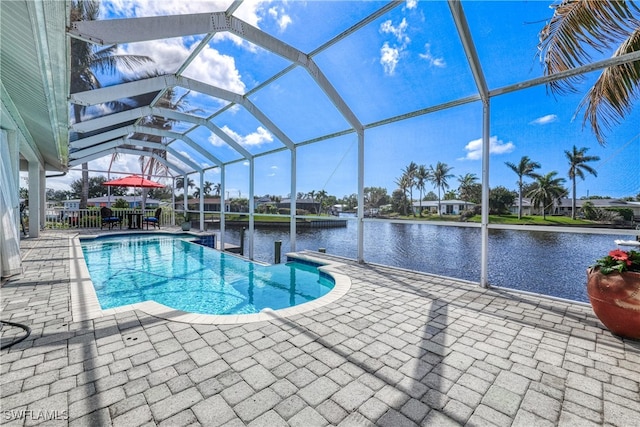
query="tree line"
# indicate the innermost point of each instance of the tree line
(543, 191)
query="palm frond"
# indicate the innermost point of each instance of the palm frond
(578, 27)
(613, 94)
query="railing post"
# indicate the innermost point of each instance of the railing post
(277, 250)
(242, 241)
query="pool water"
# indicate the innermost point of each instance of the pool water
(173, 271)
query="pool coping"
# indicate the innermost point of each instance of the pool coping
(85, 304)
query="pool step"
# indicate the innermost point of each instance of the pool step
(212, 240)
(228, 247)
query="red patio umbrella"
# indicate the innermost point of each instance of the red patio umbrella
(133, 181)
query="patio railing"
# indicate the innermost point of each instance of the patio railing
(60, 218)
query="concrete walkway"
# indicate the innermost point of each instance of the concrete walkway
(399, 349)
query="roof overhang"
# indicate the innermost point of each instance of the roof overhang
(34, 81)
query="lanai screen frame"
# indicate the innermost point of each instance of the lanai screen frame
(109, 32)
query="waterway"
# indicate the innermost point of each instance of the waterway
(548, 263)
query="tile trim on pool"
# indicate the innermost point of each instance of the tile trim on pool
(85, 305)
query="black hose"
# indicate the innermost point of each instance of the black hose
(19, 325)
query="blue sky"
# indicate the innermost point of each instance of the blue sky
(410, 58)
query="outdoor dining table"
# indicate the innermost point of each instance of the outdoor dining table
(134, 220)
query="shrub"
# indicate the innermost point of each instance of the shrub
(625, 213)
(120, 204)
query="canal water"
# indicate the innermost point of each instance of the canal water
(542, 262)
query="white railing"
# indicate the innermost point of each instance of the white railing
(60, 218)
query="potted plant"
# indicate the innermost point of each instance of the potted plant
(186, 224)
(613, 286)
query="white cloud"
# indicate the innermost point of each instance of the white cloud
(259, 137)
(284, 22)
(141, 8)
(399, 31)
(216, 69)
(432, 60)
(549, 118)
(179, 162)
(167, 55)
(280, 16)
(496, 146)
(412, 4)
(210, 66)
(389, 58)
(390, 53)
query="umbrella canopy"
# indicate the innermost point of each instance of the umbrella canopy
(133, 181)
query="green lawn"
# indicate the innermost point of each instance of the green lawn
(532, 220)
(260, 218)
(504, 219)
(493, 219)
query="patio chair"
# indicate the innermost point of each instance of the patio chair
(153, 220)
(108, 218)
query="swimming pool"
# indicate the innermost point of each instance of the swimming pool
(174, 271)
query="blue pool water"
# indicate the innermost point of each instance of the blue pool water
(173, 271)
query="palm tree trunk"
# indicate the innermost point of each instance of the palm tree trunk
(413, 211)
(573, 200)
(406, 202)
(520, 200)
(84, 197)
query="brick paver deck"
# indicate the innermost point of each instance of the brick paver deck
(399, 349)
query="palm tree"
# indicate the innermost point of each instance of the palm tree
(85, 62)
(403, 184)
(322, 195)
(466, 181)
(312, 195)
(169, 101)
(180, 182)
(410, 171)
(523, 169)
(439, 176)
(547, 190)
(207, 187)
(217, 188)
(422, 177)
(579, 28)
(577, 166)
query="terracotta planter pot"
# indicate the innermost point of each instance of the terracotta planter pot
(615, 298)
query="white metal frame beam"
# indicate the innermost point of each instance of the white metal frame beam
(153, 84)
(119, 149)
(464, 32)
(175, 135)
(134, 142)
(140, 112)
(131, 30)
(127, 130)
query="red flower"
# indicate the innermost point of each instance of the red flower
(619, 255)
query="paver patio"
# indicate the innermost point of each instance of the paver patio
(400, 348)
